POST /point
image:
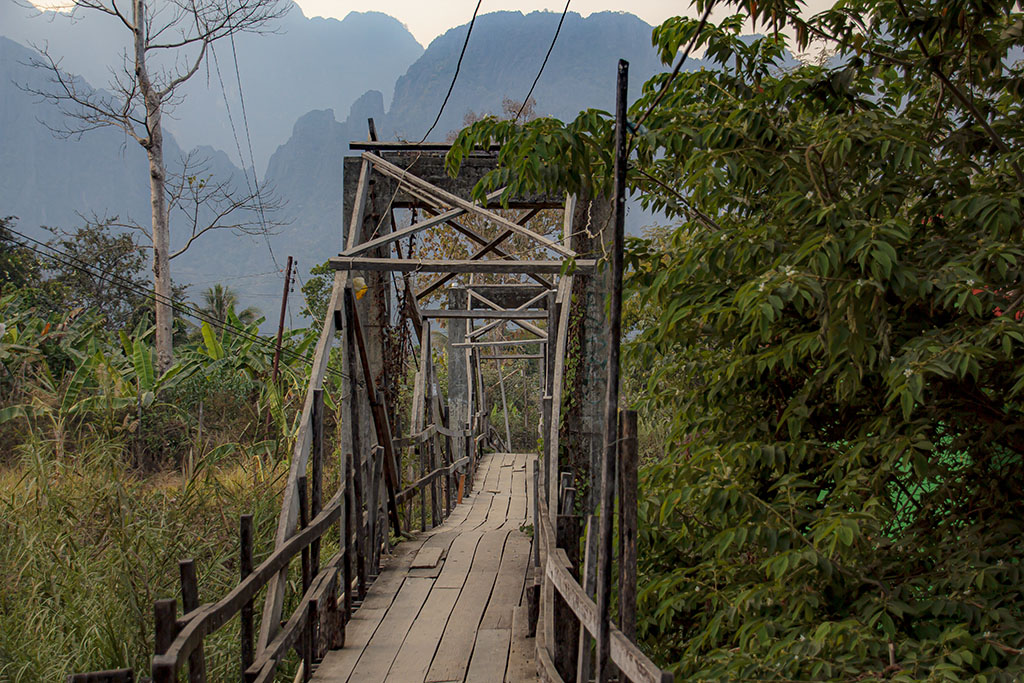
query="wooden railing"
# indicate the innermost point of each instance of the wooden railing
(444, 463)
(567, 616)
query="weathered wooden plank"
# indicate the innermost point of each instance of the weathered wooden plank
(337, 665)
(420, 646)
(459, 560)
(490, 655)
(508, 586)
(522, 665)
(457, 641)
(488, 247)
(380, 652)
(500, 342)
(428, 556)
(529, 327)
(563, 300)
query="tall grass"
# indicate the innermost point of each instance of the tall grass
(86, 546)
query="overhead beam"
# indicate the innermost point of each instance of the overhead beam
(502, 342)
(514, 356)
(481, 314)
(393, 146)
(455, 201)
(500, 266)
(488, 247)
(529, 327)
(358, 249)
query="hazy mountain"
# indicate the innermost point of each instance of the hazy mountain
(505, 52)
(306, 63)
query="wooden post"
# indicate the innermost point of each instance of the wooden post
(588, 578)
(280, 323)
(350, 550)
(628, 524)
(504, 409)
(380, 416)
(245, 565)
(165, 621)
(189, 602)
(309, 640)
(317, 458)
(567, 625)
(303, 521)
(611, 407)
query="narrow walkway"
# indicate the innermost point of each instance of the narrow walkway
(450, 604)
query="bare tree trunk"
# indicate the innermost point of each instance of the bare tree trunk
(154, 145)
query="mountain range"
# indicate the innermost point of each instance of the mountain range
(309, 89)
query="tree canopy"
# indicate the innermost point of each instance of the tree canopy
(833, 325)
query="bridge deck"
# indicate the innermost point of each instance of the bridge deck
(450, 606)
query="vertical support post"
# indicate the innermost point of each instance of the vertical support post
(189, 602)
(458, 377)
(309, 639)
(245, 562)
(349, 530)
(504, 409)
(165, 621)
(584, 661)
(604, 569)
(280, 322)
(628, 524)
(303, 521)
(317, 457)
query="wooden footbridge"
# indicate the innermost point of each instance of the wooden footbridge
(436, 553)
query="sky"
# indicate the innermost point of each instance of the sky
(427, 19)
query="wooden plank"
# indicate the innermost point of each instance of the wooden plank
(490, 655)
(428, 556)
(399, 174)
(499, 266)
(459, 560)
(514, 356)
(288, 518)
(337, 665)
(485, 315)
(380, 652)
(420, 646)
(457, 641)
(508, 586)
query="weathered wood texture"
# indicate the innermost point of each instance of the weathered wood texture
(453, 621)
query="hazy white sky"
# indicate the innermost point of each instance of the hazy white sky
(427, 19)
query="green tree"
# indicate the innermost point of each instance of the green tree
(18, 265)
(836, 335)
(218, 300)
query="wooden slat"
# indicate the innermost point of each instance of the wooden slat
(499, 266)
(420, 646)
(500, 342)
(490, 655)
(380, 652)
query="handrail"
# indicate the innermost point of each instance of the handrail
(558, 578)
(208, 618)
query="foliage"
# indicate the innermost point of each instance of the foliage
(219, 299)
(837, 338)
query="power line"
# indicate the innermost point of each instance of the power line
(184, 309)
(544, 63)
(458, 67)
(675, 71)
(241, 156)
